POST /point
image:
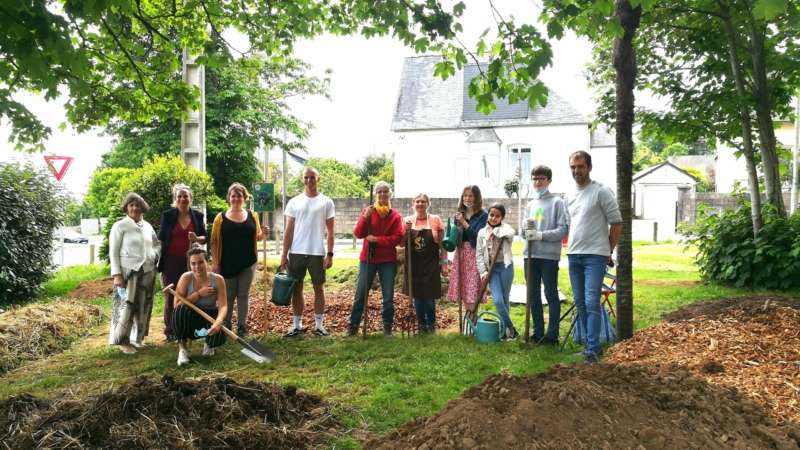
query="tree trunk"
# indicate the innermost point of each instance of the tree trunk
(766, 131)
(624, 61)
(744, 117)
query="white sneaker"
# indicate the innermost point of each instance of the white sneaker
(208, 351)
(183, 357)
(137, 344)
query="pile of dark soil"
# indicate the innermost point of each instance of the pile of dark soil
(715, 309)
(169, 413)
(602, 406)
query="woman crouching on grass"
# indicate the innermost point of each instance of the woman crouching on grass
(207, 291)
(502, 275)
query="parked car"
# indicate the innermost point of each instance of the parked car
(71, 237)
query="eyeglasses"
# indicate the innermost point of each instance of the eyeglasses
(382, 192)
(539, 179)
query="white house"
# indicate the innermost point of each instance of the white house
(656, 191)
(730, 170)
(443, 144)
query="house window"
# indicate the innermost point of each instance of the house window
(484, 168)
(520, 155)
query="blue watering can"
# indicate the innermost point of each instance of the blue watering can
(488, 330)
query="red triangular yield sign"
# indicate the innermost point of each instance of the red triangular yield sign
(54, 161)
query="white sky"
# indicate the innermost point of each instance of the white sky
(364, 85)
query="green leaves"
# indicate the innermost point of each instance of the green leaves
(770, 9)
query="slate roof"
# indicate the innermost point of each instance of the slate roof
(425, 102)
(603, 138)
(652, 168)
(484, 135)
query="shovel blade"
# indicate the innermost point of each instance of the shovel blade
(258, 349)
(257, 358)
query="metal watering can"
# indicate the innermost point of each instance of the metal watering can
(451, 235)
(487, 331)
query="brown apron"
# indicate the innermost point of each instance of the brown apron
(426, 271)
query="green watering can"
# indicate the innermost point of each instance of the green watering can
(282, 287)
(487, 330)
(450, 237)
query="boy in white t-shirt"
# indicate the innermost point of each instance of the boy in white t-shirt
(308, 216)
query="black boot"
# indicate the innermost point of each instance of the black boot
(387, 329)
(352, 330)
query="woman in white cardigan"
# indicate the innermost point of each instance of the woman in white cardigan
(133, 250)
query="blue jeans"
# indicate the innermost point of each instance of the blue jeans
(586, 274)
(500, 284)
(387, 272)
(426, 311)
(544, 271)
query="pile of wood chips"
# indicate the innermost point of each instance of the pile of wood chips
(757, 351)
(338, 305)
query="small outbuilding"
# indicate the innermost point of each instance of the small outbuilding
(656, 190)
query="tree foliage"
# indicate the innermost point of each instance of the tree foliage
(370, 167)
(245, 106)
(31, 205)
(104, 191)
(154, 182)
(643, 158)
(728, 252)
(727, 68)
(337, 180)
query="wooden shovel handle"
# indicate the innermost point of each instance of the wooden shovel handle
(485, 284)
(169, 289)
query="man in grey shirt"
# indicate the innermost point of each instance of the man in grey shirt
(595, 225)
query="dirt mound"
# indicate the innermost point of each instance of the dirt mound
(714, 309)
(93, 289)
(169, 413)
(337, 312)
(756, 351)
(602, 406)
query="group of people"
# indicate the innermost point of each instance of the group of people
(589, 215)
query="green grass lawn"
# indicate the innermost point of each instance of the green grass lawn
(389, 381)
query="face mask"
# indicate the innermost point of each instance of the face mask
(469, 205)
(543, 191)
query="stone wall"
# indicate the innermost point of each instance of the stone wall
(689, 203)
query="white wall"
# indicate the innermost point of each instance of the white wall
(425, 161)
(731, 170)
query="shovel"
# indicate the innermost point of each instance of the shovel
(254, 349)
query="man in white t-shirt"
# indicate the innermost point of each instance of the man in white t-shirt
(308, 217)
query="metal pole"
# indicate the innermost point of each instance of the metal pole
(519, 192)
(61, 266)
(283, 175)
(793, 206)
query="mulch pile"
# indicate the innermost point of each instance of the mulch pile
(602, 406)
(171, 413)
(42, 329)
(755, 348)
(93, 289)
(714, 309)
(338, 305)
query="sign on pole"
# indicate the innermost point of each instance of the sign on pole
(264, 196)
(58, 165)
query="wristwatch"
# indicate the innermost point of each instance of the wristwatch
(445, 262)
(330, 254)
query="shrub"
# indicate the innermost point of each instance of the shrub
(104, 191)
(31, 208)
(728, 252)
(511, 187)
(154, 182)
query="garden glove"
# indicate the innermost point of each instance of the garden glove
(530, 224)
(533, 235)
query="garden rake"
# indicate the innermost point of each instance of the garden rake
(408, 325)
